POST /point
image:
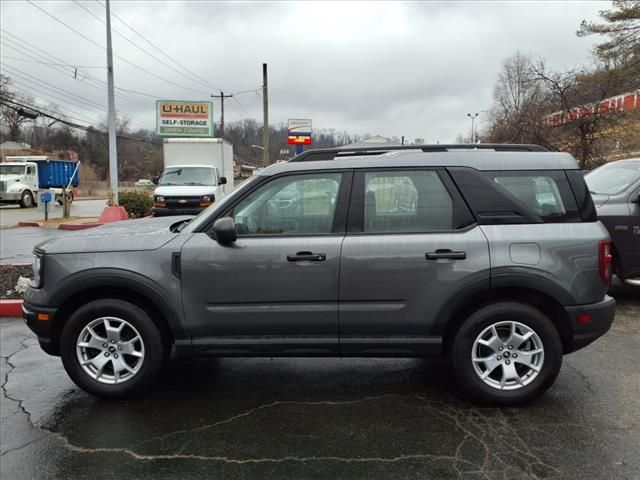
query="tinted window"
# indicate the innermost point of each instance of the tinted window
(545, 193)
(293, 205)
(406, 201)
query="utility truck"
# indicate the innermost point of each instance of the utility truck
(198, 172)
(21, 178)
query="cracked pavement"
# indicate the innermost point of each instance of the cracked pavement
(322, 418)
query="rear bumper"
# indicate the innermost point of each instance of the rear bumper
(42, 328)
(601, 316)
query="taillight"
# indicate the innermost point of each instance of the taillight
(605, 261)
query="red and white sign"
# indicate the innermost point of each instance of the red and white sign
(299, 131)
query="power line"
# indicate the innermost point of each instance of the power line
(76, 115)
(74, 98)
(117, 56)
(47, 63)
(32, 52)
(139, 47)
(8, 102)
(31, 90)
(162, 51)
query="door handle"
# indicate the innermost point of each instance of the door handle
(307, 256)
(446, 253)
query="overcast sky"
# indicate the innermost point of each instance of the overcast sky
(413, 69)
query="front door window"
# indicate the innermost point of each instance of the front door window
(292, 206)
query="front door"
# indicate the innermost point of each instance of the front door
(275, 290)
(411, 244)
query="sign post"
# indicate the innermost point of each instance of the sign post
(176, 118)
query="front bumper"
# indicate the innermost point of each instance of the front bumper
(601, 316)
(10, 197)
(42, 328)
(164, 212)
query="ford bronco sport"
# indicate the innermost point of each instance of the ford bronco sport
(491, 255)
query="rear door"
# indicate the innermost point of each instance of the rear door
(411, 245)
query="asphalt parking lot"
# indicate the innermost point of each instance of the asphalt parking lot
(323, 418)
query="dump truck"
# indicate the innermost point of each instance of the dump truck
(21, 178)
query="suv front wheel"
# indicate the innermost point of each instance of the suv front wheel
(111, 348)
(507, 353)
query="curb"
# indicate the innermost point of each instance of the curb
(30, 224)
(11, 308)
(77, 226)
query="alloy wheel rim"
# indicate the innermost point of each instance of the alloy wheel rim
(110, 350)
(507, 355)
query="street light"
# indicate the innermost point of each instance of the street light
(473, 123)
(259, 147)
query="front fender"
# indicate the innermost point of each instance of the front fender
(105, 278)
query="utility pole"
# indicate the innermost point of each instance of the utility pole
(265, 116)
(222, 96)
(111, 116)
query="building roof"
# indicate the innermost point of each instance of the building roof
(9, 145)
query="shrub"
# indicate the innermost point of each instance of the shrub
(137, 204)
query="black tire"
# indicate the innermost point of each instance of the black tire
(463, 346)
(155, 349)
(26, 200)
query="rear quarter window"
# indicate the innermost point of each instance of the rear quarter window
(546, 193)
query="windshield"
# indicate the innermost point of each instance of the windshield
(613, 178)
(11, 169)
(188, 176)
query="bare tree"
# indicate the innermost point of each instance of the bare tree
(11, 117)
(519, 103)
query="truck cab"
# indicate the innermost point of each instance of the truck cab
(19, 183)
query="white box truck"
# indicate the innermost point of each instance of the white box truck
(197, 172)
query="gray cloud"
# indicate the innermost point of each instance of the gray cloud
(393, 68)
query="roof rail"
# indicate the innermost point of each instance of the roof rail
(339, 152)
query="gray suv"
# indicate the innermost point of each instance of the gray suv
(615, 188)
(490, 255)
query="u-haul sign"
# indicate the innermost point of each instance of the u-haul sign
(184, 119)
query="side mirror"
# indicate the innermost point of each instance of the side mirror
(223, 181)
(155, 180)
(224, 230)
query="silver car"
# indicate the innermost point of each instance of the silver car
(490, 255)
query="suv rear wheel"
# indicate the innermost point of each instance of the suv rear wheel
(507, 353)
(111, 348)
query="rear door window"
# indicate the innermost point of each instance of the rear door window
(545, 193)
(406, 201)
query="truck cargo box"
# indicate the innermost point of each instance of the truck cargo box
(56, 173)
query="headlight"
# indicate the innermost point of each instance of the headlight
(38, 263)
(206, 198)
(159, 198)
